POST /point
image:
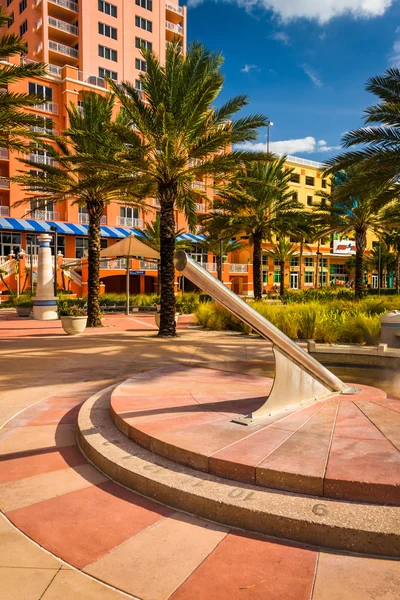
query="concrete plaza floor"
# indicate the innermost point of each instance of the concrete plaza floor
(38, 361)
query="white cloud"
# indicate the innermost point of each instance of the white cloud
(315, 10)
(309, 71)
(281, 36)
(394, 58)
(307, 145)
(248, 68)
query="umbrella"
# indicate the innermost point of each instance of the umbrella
(127, 248)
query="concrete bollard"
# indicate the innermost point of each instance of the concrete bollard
(45, 303)
(390, 333)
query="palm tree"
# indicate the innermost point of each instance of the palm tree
(283, 251)
(392, 240)
(69, 173)
(378, 160)
(177, 136)
(219, 247)
(14, 122)
(258, 203)
(152, 238)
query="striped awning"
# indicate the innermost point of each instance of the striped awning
(32, 226)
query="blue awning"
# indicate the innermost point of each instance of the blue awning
(32, 226)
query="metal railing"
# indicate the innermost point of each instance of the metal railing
(4, 211)
(212, 267)
(83, 219)
(174, 7)
(301, 161)
(8, 266)
(69, 4)
(63, 49)
(3, 153)
(198, 185)
(129, 222)
(115, 263)
(51, 107)
(63, 26)
(173, 27)
(42, 215)
(238, 268)
(201, 208)
(44, 130)
(147, 265)
(41, 159)
(4, 184)
(91, 79)
(4, 259)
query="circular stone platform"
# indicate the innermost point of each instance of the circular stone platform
(342, 447)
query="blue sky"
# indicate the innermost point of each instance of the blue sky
(303, 63)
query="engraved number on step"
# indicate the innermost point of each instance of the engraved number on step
(240, 494)
(320, 510)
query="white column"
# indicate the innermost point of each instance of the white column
(44, 303)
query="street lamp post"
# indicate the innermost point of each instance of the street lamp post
(269, 124)
(55, 231)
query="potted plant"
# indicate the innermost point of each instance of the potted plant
(73, 319)
(23, 306)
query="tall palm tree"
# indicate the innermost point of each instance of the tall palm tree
(258, 203)
(178, 136)
(69, 173)
(14, 122)
(282, 251)
(220, 247)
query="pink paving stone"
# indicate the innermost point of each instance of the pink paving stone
(352, 423)
(50, 411)
(247, 567)
(386, 420)
(390, 403)
(40, 462)
(80, 527)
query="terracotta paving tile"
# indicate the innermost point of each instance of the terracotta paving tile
(24, 584)
(356, 466)
(178, 423)
(17, 551)
(251, 568)
(23, 439)
(297, 419)
(24, 492)
(155, 563)
(147, 404)
(51, 459)
(352, 423)
(393, 404)
(49, 412)
(82, 526)
(72, 585)
(354, 578)
(387, 421)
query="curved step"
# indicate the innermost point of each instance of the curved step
(361, 528)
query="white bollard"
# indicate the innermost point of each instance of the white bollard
(45, 303)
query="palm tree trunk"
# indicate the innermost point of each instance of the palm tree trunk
(93, 303)
(282, 282)
(301, 264)
(257, 260)
(361, 242)
(397, 272)
(167, 268)
(317, 267)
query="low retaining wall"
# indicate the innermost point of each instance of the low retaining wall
(351, 354)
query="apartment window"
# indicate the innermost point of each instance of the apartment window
(138, 85)
(309, 200)
(264, 260)
(277, 276)
(107, 8)
(108, 31)
(43, 123)
(140, 65)
(108, 53)
(295, 178)
(10, 243)
(82, 245)
(294, 262)
(295, 196)
(23, 28)
(11, 19)
(128, 212)
(139, 43)
(9, 2)
(309, 261)
(276, 262)
(323, 183)
(22, 6)
(148, 4)
(309, 180)
(323, 262)
(103, 73)
(309, 277)
(337, 269)
(144, 24)
(40, 90)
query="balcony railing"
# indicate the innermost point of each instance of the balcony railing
(63, 49)
(174, 28)
(174, 8)
(92, 79)
(201, 208)
(83, 219)
(147, 265)
(44, 130)
(31, 260)
(115, 263)
(68, 4)
(212, 267)
(198, 185)
(41, 159)
(3, 153)
(129, 222)
(236, 268)
(4, 211)
(42, 215)
(4, 184)
(50, 107)
(63, 26)
(51, 69)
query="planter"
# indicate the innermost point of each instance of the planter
(24, 311)
(74, 325)
(157, 318)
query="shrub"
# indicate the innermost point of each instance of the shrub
(187, 303)
(72, 311)
(24, 300)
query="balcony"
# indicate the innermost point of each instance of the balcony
(129, 222)
(236, 268)
(4, 211)
(146, 265)
(63, 4)
(50, 107)
(3, 153)
(174, 8)
(63, 49)
(42, 215)
(4, 184)
(212, 267)
(201, 208)
(174, 28)
(198, 185)
(83, 219)
(115, 263)
(91, 79)
(43, 130)
(41, 159)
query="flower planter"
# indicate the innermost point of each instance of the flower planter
(24, 311)
(157, 318)
(74, 325)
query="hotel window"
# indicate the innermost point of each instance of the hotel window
(108, 53)
(22, 6)
(103, 73)
(9, 2)
(309, 200)
(265, 260)
(148, 4)
(143, 24)
(295, 196)
(277, 276)
(295, 178)
(23, 28)
(11, 19)
(139, 43)
(138, 85)
(82, 245)
(276, 262)
(323, 262)
(323, 183)
(128, 212)
(40, 90)
(140, 65)
(309, 261)
(309, 180)
(10, 243)
(294, 262)
(309, 277)
(108, 31)
(107, 8)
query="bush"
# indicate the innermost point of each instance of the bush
(24, 301)
(72, 311)
(187, 303)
